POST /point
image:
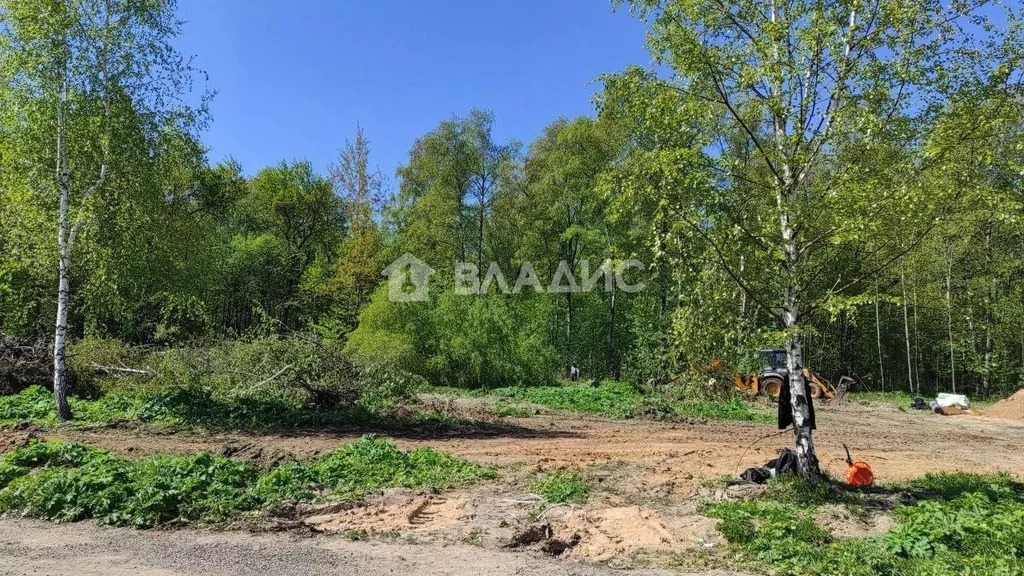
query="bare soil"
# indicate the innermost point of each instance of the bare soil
(32, 547)
(645, 476)
(1011, 408)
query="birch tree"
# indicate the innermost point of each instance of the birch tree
(832, 99)
(73, 70)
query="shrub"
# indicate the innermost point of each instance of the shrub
(85, 355)
(382, 388)
(264, 382)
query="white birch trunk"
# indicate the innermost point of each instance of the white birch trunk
(878, 337)
(60, 380)
(807, 460)
(906, 326)
(986, 379)
(949, 320)
(68, 227)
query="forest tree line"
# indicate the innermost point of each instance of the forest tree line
(896, 172)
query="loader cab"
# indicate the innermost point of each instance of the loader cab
(773, 361)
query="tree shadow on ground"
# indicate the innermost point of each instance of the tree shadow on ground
(883, 498)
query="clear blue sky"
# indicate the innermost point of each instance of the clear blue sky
(294, 78)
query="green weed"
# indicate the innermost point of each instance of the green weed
(66, 482)
(615, 399)
(562, 486)
(194, 405)
(506, 410)
(971, 525)
(624, 400)
(952, 485)
(733, 409)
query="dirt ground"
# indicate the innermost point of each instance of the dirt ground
(31, 547)
(645, 478)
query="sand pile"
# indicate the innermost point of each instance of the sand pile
(613, 532)
(396, 509)
(1011, 408)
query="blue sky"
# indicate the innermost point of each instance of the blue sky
(294, 78)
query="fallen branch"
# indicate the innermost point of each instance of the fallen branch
(268, 379)
(572, 509)
(747, 449)
(124, 370)
(528, 499)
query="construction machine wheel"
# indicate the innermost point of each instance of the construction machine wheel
(771, 386)
(816, 391)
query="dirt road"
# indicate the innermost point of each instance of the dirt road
(29, 547)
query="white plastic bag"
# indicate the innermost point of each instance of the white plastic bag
(945, 400)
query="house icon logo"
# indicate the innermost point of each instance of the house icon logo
(408, 277)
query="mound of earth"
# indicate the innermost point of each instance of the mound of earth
(1011, 408)
(616, 532)
(396, 509)
(843, 523)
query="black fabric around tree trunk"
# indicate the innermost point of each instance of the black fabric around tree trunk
(786, 405)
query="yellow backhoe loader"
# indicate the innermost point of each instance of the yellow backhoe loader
(768, 380)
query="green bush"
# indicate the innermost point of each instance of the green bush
(562, 486)
(65, 482)
(382, 388)
(85, 355)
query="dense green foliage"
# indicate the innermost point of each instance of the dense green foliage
(962, 524)
(866, 206)
(65, 482)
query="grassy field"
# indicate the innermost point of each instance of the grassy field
(613, 399)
